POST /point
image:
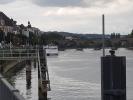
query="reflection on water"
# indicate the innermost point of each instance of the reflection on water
(74, 75)
(26, 81)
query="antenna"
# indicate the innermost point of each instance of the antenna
(103, 36)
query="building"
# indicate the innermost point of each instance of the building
(69, 38)
(6, 24)
(29, 29)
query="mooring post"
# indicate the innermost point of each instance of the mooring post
(113, 77)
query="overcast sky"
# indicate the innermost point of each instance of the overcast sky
(78, 16)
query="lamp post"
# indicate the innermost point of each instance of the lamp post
(103, 31)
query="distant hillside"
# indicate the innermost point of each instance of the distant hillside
(81, 36)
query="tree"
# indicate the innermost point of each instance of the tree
(112, 35)
(33, 38)
(43, 39)
(118, 35)
(2, 34)
(9, 37)
(131, 33)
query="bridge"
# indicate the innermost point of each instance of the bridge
(18, 54)
(21, 54)
(7, 92)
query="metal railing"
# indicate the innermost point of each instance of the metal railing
(18, 54)
(7, 92)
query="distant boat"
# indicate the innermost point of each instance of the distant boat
(79, 49)
(96, 48)
(61, 49)
(130, 48)
(51, 50)
(114, 48)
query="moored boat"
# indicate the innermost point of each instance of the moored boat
(79, 49)
(114, 48)
(130, 48)
(97, 48)
(51, 50)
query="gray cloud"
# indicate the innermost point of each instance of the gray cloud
(73, 3)
(58, 3)
(6, 1)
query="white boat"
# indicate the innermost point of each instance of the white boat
(51, 50)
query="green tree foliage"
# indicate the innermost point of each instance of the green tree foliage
(131, 33)
(31, 34)
(2, 34)
(51, 37)
(54, 36)
(23, 39)
(9, 37)
(115, 35)
(16, 39)
(108, 43)
(43, 39)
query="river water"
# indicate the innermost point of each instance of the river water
(74, 75)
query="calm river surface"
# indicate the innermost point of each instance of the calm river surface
(74, 75)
